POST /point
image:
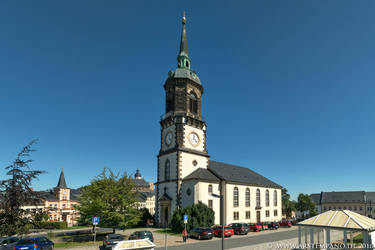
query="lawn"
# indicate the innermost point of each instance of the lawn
(168, 231)
(77, 244)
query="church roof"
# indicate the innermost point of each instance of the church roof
(201, 174)
(61, 183)
(239, 174)
(140, 183)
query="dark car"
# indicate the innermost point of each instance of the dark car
(111, 240)
(201, 233)
(137, 235)
(36, 243)
(8, 242)
(228, 231)
(256, 227)
(240, 228)
(273, 225)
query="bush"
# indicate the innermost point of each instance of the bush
(51, 225)
(199, 216)
(146, 217)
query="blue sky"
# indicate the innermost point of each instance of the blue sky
(288, 86)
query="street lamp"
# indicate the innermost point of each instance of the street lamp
(221, 196)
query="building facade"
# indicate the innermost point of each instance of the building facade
(358, 201)
(185, 173)
(59, 202)
(146, 193)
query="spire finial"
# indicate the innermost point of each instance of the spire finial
(183, 57)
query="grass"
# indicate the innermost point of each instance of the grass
(168, 231)
(77, 244)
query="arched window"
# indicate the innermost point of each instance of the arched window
(170, 101)
(193, 103)
(247, 197)
(187, 64)
(267, 198)
(235, 197)
(210, 189)
(167, 170)
(258, 198)
(275, 198)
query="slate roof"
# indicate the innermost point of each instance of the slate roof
(74, 193)
(140, 183)
(315, 198)
(144, 195)
(370, 196)
(239, 174)
(202, 174)
(338, 197)
(61, 183)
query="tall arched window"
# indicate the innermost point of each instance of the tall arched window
(267, 198)
(193, 103)
(275, 198)
(167, 170)
(235, 197)
(258, 198)
(210, 189)
(247, 197)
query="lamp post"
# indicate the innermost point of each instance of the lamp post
(221, 196)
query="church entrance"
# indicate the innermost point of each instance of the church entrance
(165, 211)
(258, 216)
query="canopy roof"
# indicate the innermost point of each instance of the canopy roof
(344, 219)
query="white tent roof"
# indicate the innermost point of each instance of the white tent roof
(344, 219)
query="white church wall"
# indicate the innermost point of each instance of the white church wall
(200, 133)
(204, 197)
(172, 157)
(241, 209)
(187, 163)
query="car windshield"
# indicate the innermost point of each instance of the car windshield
(27, 241)
(227, 228)
(115, 237)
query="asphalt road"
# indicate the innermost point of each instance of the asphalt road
(237, 242)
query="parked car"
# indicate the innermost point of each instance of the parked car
(111, 240)
(264, 226)
(273, 225)
(35, 243)
(137, 235)
(228, 231)
(240, 228)
(256, 227)
(285, 223)
(201, 233)
(8, 242)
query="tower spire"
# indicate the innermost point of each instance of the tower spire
(183, 56)
(62, 183)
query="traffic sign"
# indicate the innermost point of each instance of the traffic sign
(95, 220)
(185, 218)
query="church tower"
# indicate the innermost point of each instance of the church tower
(183, 133)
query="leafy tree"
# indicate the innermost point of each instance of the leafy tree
(199, 216)
(288, 205)
(145, 216)
(305, 203)
(111, 198)
(16, 192)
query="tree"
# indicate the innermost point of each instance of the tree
(288, 205)
(145, 217)
(199, 216)
(111, 198)
(305, 203)
(16, 192)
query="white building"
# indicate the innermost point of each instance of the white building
(186, 175)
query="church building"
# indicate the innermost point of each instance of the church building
(186, 175)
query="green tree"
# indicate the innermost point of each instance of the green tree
(111, 198)
(305, 203)
(16, 192)
(199, 216)
(288, 205)
(145, 217)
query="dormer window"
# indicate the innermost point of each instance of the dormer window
(193, 103)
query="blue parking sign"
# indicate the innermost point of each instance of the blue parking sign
(95, 220)
(185, 218)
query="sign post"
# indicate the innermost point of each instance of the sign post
(185, 222)
(95, 221)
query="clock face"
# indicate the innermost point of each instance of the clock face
(194, 139)
(168, 138)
